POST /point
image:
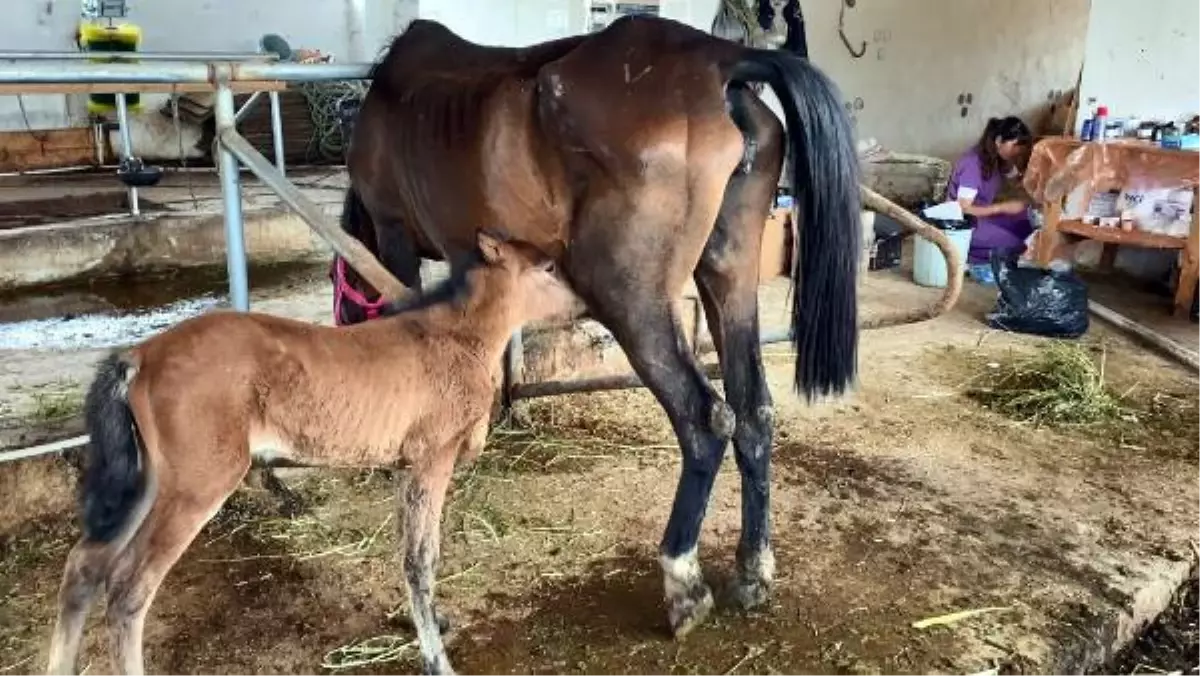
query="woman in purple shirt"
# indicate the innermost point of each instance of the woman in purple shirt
(976, 180)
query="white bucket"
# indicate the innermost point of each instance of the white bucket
(929, 265)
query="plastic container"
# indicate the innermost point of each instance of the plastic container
(887, 250)
(929, 265)
(1086, 133)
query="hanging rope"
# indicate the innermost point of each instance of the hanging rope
(328, 143)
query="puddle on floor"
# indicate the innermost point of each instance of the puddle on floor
(110, 312)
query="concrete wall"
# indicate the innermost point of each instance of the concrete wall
(1143, 62)
(48, 25)
(1007, 56)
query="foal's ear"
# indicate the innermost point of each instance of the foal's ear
(490, 247)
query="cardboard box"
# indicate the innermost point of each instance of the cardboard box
(773, 261)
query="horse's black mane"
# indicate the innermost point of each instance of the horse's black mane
(452, 291)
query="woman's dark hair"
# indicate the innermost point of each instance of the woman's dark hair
(1000, 130)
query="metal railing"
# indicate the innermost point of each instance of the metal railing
(45, 55)
(210, 72)
(231, 146)
(232, 149)
(31, 67)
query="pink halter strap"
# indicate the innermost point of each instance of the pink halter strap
(342, 292)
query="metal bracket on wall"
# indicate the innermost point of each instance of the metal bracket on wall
(842, 31)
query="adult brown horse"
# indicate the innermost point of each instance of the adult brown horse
(635, 157)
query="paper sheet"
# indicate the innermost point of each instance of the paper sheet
(946, 211)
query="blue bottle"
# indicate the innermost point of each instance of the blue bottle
(1088, 130)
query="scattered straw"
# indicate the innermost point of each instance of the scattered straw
(306, 538)
(374, 650)
(752, 652)
(15, 665)
(952, 618)
(1060, 384)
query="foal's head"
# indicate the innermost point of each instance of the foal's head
(500, 274)
(519, 275)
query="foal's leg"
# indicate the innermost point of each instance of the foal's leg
(727, 278)
(178, 514)
(87, 566)
(423, 495)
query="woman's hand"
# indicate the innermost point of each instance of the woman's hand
(1011, 207)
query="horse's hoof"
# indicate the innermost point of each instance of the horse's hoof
(438, 667)
(749, 594)
(756, 573)
(686, 612)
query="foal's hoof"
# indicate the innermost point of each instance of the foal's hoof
(687, 611)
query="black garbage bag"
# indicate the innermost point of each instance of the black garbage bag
(1041, 302)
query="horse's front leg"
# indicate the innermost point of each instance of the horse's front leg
(423, 497)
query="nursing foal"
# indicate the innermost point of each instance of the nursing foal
(176, 422)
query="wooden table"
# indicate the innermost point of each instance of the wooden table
(1114, 164)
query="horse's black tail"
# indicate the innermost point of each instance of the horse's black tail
(114, 479)
(825, 182)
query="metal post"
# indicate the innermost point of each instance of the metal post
(245, 109)
(356, 254)
(127, 148)
(231, 192)
(277, 131)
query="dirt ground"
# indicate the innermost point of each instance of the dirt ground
(905, 501)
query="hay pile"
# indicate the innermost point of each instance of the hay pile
(1061, 384)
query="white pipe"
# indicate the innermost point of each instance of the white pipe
(45, 449)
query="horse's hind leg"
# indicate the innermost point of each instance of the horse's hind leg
(187, 499)
(727, 278)
(630, 271)
(423, 495)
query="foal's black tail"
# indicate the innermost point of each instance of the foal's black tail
(113, 477)
(825, 181)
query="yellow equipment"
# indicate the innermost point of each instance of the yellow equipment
(105, 36)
